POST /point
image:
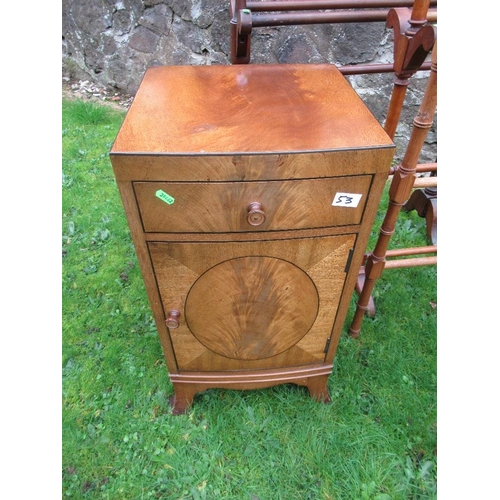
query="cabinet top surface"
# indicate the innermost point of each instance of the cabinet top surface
(193, 110)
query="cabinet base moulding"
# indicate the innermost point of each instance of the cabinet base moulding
(186, 386)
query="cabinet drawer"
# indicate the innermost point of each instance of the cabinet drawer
(252, 205)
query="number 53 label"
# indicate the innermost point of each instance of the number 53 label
(349, 200)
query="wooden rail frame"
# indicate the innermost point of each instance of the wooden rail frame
(247, 15)
(402, 184)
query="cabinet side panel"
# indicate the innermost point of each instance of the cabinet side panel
(133, 219)
(376, 190)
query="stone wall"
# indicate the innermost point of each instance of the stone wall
(112, 42)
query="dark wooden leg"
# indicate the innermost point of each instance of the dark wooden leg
(424, 202)
(318, 389)
(431, 220)
(182, 400)
(370, 308)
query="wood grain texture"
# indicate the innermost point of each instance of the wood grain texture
(251, 307)
(209, 109)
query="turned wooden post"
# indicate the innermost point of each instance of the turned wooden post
(413, 41)
(418, 16)
(401, 186)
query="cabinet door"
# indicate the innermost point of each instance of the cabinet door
(251, 305)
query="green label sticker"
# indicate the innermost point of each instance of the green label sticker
(165, 197)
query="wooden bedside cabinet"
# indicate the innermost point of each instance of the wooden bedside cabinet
(250, 192)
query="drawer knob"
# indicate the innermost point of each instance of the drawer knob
(173, 319)
(255, 215)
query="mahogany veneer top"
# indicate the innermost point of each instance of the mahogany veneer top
(246, 109)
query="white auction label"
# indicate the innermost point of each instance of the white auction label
(349, 200)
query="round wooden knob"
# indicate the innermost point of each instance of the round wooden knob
(255, 215)
(173, 319)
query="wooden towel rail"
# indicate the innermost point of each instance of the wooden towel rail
(247, 15)
(414, 40)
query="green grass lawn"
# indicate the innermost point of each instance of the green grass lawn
(376, 440)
